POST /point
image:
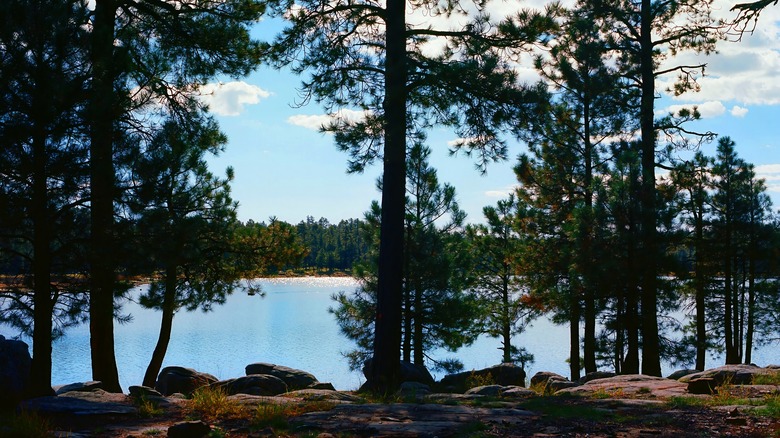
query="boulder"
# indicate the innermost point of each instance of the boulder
(486, 390)
(322, 385)
(677, 375)
(79, 387)
(96, 403)
(505, 374)
(702, 385)
(595, 375)
(15, 364)
(324, 395)
(184, 380)
(517, 392)
(143, 392)
(255, 384)
(630, 385)
(409, 373)
(733, 374)
(551, 382)
(189, 429)
(294, 379)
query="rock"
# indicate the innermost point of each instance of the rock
(322, 385)
(255, 384)
(414, 389)
(143, 392)
(554, 386)
(189, 429)
(15, 364)
(409, 373)
(79, 387)
(82, 404)
(324, 395)
(551, 382)
(505, 374)
(183, 380)
(487, 390)
(518, 392)
(702, 385)
(411, 420)
(294, 379)
(733, 374)
(677, 375)
(595, 375)
(630, 385)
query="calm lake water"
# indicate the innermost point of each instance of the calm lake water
(290, 326)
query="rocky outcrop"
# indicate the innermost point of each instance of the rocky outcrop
(82, 404)
(595, 375)
(294, 379)
(15, 363)
(323, 395)
(549, 382)
(679, 374)
(79, 387)
(505, 374)
(630, 385)
(143, 392)
(707, 382)
(256, 384)
(184, 380)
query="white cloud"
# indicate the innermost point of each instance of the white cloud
(317, 121)
(707, 109)
(229, 99)
(738, 111)
(771, 174)
(501, 193)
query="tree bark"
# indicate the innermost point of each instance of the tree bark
(166, 325)
(385, 372)
(574, 336)
(651, 354)
(101, 299)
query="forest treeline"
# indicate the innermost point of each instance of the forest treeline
(103, 177)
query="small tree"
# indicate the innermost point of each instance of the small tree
(496, 247)
(188, 225)
(436, 311)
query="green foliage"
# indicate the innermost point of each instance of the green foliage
(212, 404)
(332, 247)
(474, 380)
(437, 312)
(148, 408)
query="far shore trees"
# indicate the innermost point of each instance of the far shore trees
(365, 56)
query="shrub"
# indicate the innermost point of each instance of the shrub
(213, 403)
(474, 380)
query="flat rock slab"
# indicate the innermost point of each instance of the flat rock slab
(733, 374)
(412, 420)
(631, 385)
(93, 403)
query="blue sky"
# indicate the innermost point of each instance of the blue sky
(285, 168)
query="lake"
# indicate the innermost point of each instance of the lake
(290, 326)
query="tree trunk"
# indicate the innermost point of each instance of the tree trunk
(586, 256)
(701, 322)
(574, 336)
(419, 350)
(101, 298)
(651, 353)
(506, 324)
(385, 373)
(43, 303)
(166, 325)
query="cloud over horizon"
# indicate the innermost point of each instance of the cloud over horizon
(230, 98)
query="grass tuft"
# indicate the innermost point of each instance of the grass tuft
(277, 416)
(771, 378)
(474, 380)
(213, 404)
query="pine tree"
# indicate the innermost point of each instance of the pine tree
(365, 55)
(42, 172)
